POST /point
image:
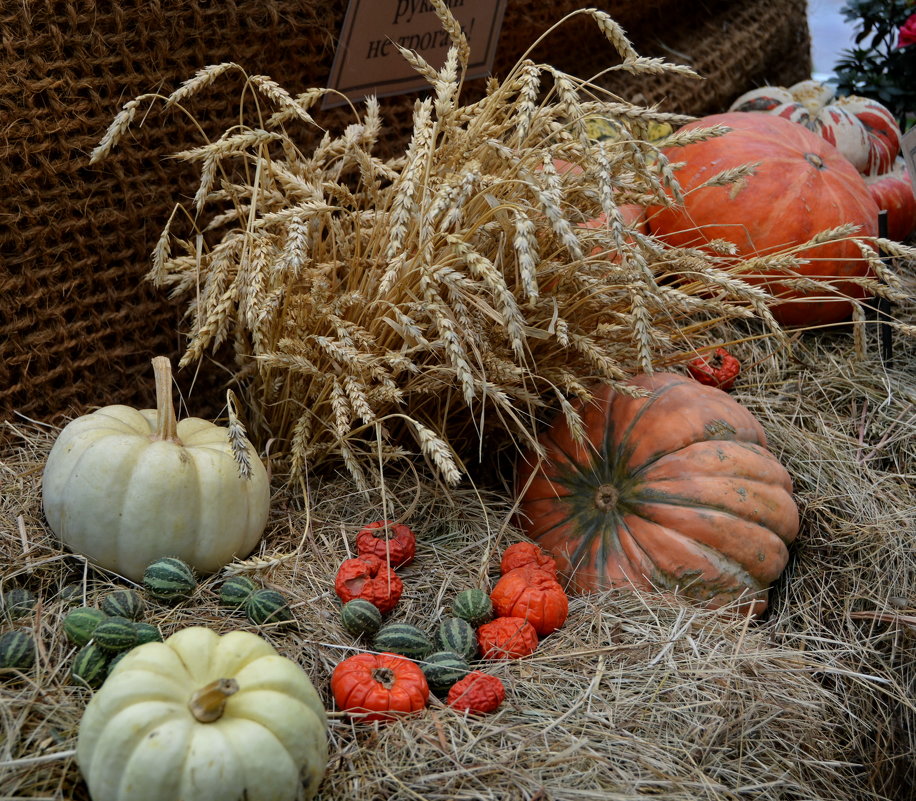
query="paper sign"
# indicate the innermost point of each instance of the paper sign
(908, 148)
(368, 63)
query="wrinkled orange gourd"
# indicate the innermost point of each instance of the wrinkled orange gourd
(532, 594)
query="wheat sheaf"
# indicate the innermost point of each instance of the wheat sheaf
(382, 308)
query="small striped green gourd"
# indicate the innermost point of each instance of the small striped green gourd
(360, 617)
(147, 632)
(268, 606)
(123, 603)
(80, 624)
(455, 634)
(18, 603)
(169, 580)
(115, 634)
(71, 593)
(474, 606)
(442, 669)
(236, 590)
(17, 650)
(403, 639)
(90, 666)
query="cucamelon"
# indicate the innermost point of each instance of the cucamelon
(71, 593)
(455, 634)
(80, 624)
(17, 650)
(169, 579)
(147, 632)
(442, 669)
(474, 606)
(18, 603)
(236, 590)
(115, 634)
(360, 617)
(90, 666)
(403, 639)
(123, 603)
(267, 606)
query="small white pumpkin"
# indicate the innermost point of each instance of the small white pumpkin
(125, 487)
(201, 717)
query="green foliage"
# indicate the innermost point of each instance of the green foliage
(876, 67)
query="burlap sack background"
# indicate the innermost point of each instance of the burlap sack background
(78, 323)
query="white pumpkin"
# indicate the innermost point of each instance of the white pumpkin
(884, 134)
(812, 94)
(862, 129)
(840, 127)
(125, 487)
(201, 717)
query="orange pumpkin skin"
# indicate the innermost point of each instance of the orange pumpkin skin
(370, 578)
(506, 638)
(533, 594)
(521, 554)
(478, 693)
(803, 186)
(379, 686)
(393, 543)
(676, 490)
(893, 193)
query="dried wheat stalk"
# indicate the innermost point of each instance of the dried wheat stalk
(419, 302)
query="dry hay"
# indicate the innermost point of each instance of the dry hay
(636, 695)
(370, 308)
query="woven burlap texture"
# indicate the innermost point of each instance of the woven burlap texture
(78, 322)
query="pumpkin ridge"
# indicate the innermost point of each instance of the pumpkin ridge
(723, 406)
(564, 522)
(242, 743)
(750, 560)
(151, 720)
(121, 500)
(138, 755)
(648, 496)
(623, 452)
(725, 565)
(763, 459)
(629, 557)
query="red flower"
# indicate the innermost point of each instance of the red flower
(907, 32)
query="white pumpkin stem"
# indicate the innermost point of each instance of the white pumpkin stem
(209, 702)
(166, 423)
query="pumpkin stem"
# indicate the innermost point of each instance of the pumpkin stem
(606, 497)
(384, 676)
(209, 702)
(166, 424)
(815, 160)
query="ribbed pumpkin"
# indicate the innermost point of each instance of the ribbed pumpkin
(801, 187)
(204, 717)
(125, 486)
(675, 490)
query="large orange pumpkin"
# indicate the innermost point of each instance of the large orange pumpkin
(673, 491)
(803, 186)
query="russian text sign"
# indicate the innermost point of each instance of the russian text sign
(368, 63)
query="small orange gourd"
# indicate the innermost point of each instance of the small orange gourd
(368, 577)
(527, 553)
(534, 595)
(379, 686)
(506, 638)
